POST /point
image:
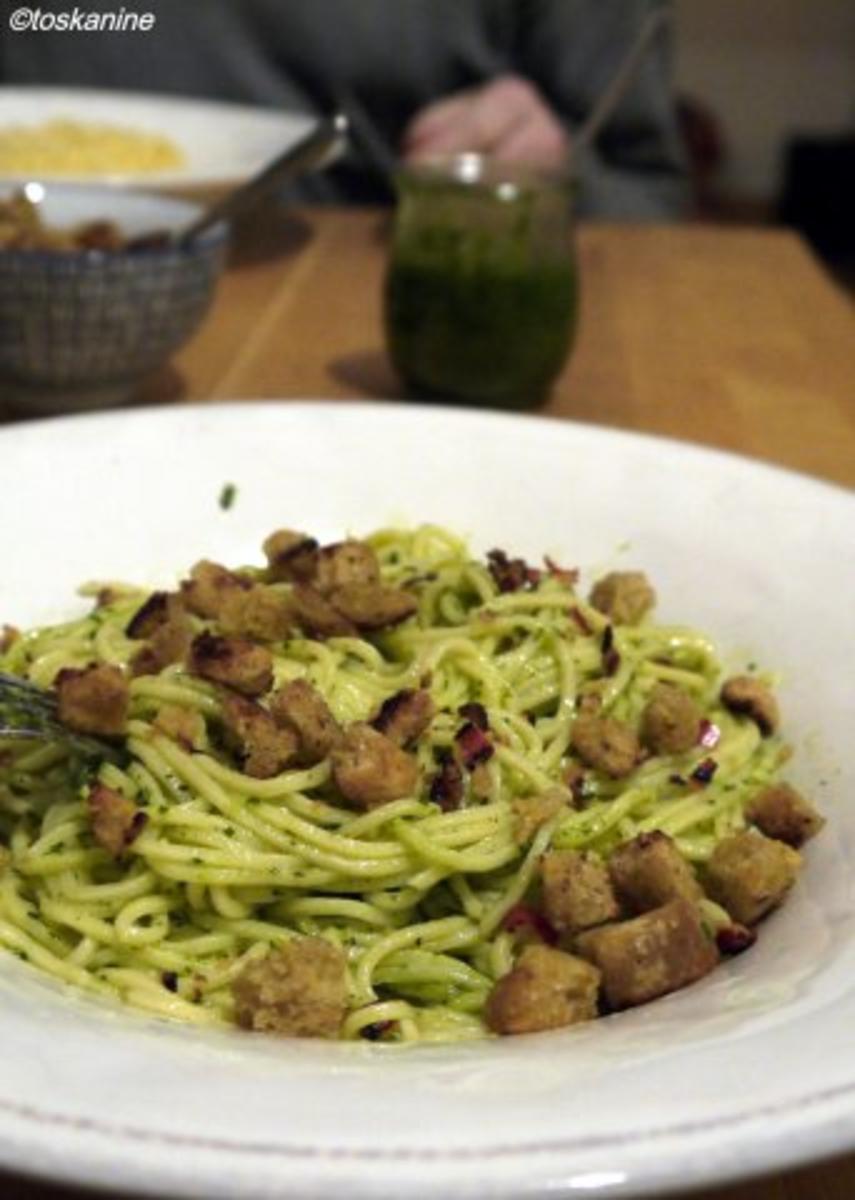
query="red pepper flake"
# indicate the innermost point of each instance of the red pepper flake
(446, 787)
(704, 772)
(577, 781)
(581, 620)
(522, 917)
(734, 939)
(569, 576)
(476, 713)
(377, 1031)
(511, 574)
(709, 735)
(611, 658)
(138, 823)
(169, 979)
(474, 745)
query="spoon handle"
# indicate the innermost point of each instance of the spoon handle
(305, 154)
(590, 128)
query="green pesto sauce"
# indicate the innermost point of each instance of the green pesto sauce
(478, 319)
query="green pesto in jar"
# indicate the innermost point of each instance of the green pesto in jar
(481, 292)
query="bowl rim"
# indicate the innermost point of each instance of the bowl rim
(184, 211)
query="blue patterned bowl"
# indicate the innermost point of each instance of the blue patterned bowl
(83, 329)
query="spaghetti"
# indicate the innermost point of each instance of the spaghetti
(422, 894)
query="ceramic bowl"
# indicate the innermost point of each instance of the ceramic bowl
(83, 329)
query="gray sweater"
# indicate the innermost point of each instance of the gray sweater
(394, 56)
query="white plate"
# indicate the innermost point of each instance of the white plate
(222, 144)
(752, 1069)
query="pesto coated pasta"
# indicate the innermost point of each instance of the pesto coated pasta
(477, 728)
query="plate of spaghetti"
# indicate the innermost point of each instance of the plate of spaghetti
(395, 824)
(132, 139)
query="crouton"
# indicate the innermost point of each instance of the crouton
(372, 606)
(783, 813)
(577, 891)
(291, 557)
(405, 716)
(257, 612)
(345, 563)
(208, 586)
(370, 770)
(623, 596)
(747, 696)
(301, 708)
(530, 812)
(264, 748)
(605, 744)
(115, 820)
(168, 643)
(93, 700)
(154, 612)
(317, 617)
(183, 725)
(671, 720)
(545, 990)
(749, 874)
(649, 870)
(648, 956)
(297, 990)
(234, 662)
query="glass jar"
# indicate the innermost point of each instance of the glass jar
(481, 288)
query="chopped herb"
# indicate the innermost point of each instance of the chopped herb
(227, 496)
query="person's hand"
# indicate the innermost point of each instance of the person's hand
(507, 118)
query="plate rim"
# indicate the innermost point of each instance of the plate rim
(402, 408)
(270, 116)
(822, 1139)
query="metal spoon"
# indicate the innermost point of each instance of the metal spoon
(29, 713)
(375, 149)
(609, 99)
(310, 152)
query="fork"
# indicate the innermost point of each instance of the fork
(29, 712)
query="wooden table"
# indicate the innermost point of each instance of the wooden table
(734, 338)
(730, 337)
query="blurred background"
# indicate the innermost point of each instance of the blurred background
(767, 95)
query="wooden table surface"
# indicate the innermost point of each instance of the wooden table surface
(729, 337)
